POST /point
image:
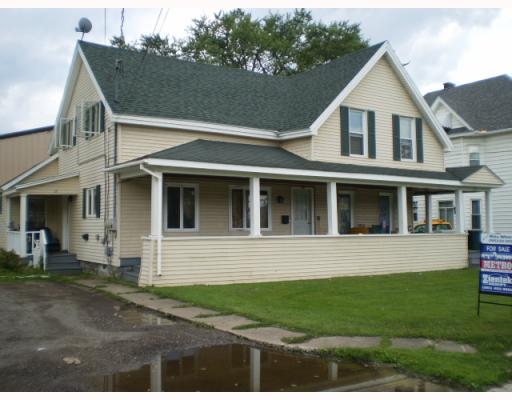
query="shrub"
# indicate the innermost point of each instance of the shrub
(11, 261)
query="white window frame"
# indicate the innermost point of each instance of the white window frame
(181, 186)
(364, 133)
(413, 138)
(70, 122)
(351, 195)
(479, 214)
(244, 210)
(439, 208)
(90, 203)
(96, 124)
(472, 150)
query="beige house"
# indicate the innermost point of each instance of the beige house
(156, 163)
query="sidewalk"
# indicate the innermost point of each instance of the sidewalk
(255, 331)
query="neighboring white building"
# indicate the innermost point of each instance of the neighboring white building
(478, 119)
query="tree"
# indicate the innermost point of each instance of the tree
(275, 44)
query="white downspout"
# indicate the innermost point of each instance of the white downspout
(156, 213)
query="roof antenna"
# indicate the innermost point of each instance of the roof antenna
(84, 26)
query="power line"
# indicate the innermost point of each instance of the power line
(163, 21)
(156, 23)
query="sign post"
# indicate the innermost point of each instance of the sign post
(495, 267)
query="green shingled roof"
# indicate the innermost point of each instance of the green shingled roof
(216, 152)
(165, 87)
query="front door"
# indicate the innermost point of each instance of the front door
(302, 214)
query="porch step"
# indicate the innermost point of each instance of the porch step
(63, 264)
(131, 273)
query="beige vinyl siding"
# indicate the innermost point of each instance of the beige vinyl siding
(20, 153)
(137, 141)
(302, 147)
(51, 169)
(68, 186)
(235, 260)
(483, 176)
(3, 223)
(380, 91)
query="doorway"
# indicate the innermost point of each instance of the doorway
(302, 211)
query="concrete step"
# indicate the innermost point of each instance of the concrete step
(61, 258)
(63, 264)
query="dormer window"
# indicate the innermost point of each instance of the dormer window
(93, 118)
(357, 132)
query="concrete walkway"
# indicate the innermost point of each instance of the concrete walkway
(241, 326)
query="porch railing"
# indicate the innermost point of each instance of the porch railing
(15, 241)
(39, 253)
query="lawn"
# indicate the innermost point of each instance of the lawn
(435, 305)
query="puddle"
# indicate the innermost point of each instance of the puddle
(137, 318)
(240, 368)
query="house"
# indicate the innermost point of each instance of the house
(159, 162)
(19, 152)
(478, 119)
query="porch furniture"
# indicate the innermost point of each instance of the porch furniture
(359, 229)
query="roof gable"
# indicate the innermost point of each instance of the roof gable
(485, 105)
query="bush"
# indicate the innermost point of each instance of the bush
(9, 260)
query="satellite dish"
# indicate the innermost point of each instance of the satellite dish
(84, 26)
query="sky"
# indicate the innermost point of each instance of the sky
(440, 45)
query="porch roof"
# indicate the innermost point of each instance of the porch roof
(204, 153)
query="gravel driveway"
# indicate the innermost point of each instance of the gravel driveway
(57, 337)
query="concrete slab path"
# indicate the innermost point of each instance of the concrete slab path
(267, 334)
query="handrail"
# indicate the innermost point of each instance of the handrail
(43, 241)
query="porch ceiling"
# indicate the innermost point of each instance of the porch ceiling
(234, 159)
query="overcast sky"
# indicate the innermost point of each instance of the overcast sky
(36, 46)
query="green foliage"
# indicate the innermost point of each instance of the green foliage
(275, 44)
(10, 261)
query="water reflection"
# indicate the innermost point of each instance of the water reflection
(238, 367)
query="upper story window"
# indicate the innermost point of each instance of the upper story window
(357, 132)
(407, 138)
(66, 135)
(474, 156)
(93, 118)
(91, 206)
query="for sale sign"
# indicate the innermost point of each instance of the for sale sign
(496, 264)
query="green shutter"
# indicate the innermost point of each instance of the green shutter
(396, 137)
(97, 201)
(84, 203)
(102, 117)
(345, 137)
(419, 140)
(372, 144)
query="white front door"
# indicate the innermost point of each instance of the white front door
(302, 211)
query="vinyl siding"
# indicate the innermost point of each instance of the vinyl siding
(302, 147)
(3, 223)
(382, 92)
(67, 186)
(236, 260)
(138, 141)
(51, 169)
(20, 153)
(483, 177)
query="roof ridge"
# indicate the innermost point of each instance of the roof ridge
(468, 84)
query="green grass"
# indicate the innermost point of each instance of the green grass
(435, 305)
(25, 274)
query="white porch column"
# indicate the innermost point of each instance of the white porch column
(488, 212)
(332, 209)
(8, 208)
(459, 209)
(402, 210)
(254, 189)
(23, 224)
(156, 215)
(428, 212)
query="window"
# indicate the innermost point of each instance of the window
(345, 213)
(240, 208)
(447, 211)
(93, 118)
(66, 133)
(474, 156)
(476, 218)
(357, 132)
(90, 203)
(181, 209)
(407, 138)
